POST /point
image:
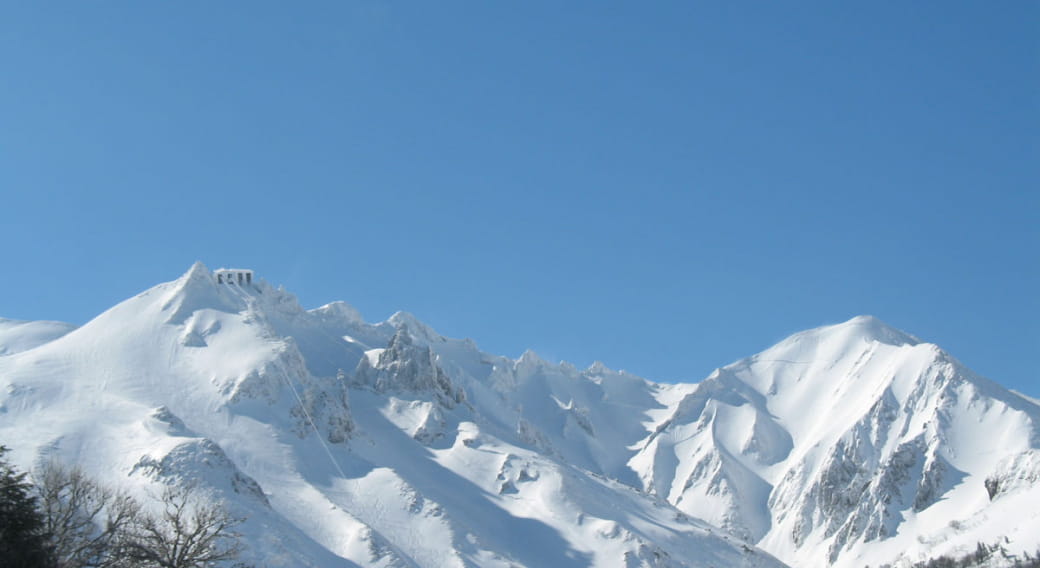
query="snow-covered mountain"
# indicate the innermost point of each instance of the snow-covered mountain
(350, 443)
(849, 445)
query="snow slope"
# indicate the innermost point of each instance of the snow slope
(348, 443)
(17, 336)
(849, 445)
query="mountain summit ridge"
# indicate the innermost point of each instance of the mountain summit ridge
(842, 445)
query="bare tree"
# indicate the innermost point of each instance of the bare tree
(84, 520)
(188, 532)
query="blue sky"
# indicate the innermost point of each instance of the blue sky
(663, 187)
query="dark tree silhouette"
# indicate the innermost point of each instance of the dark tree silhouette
(23, 541)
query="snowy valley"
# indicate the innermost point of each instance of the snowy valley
(347, 443)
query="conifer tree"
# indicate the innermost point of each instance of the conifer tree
(22, 538)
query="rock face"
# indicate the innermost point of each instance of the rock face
(841, 437)
(1013, 474)
(404, 366)
(344, 441)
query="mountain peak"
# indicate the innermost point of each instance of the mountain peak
(873, 329)
(858, 330)
(530, 361)
(197, 273)
(339, 310)
(415, 327)
(598, 368)
(226, 289)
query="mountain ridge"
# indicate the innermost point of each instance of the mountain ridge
(316, 413)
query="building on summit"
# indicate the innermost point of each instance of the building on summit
(234, 276)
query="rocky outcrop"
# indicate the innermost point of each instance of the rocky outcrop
(406, 367)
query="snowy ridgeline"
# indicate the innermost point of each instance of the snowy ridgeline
(349, 443)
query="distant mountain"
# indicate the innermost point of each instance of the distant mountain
(350, 443)
(17, 336)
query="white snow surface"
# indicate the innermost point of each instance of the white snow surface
(17, 336)
(851, 445)
(348, 443)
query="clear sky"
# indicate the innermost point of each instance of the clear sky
(665, 186)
